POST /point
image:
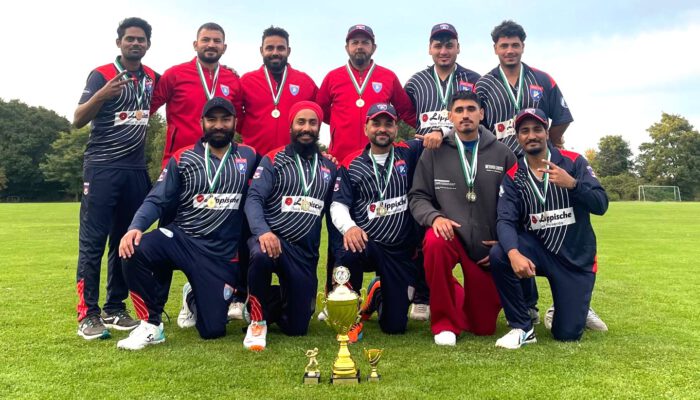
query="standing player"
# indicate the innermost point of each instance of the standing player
(116, 99)
(347, 92)
(513, 86)
(454, 195)
(291, 190)
(370, 209)
(544, 229)
(430, 91)
(207, 182)
(269, 92)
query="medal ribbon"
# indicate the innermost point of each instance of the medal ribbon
(305, 187)
(213, 181)
(468, 169)
(541, 196)
(276, 96)
(360, 89)
(207, 91)
(517, 102)
(444, 95)
(377, 177)
(142, 83)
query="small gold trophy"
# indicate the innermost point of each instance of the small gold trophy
(342, 307)
(312, 376)
(373, 356)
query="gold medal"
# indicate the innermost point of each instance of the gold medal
(139, 115)
(305, 205)
(275, 113)
(444, 114)
(381, 210)
(211, 202)
(360, 103)
(471, 196)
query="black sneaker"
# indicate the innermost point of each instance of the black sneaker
(91, 327)
(119, 320)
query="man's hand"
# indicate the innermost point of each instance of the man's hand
(129, 240)
(355, 239)
(330, 157)
(113, 87)
(484, 262)
(522, 266)
(270, 244)
(444, 228)
(558, 176)
(431, 140)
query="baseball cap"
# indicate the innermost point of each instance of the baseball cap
(443, 28)
(218, 102)
(381, 108)
(360, 28)
(534, 113)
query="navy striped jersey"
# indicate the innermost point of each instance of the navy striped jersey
(540, 91)
(426, 99)
(563, 223)
(118, 131)
(212, 219)
(277, 201)
(356, 187)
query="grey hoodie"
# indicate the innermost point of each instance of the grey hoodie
(439, 190)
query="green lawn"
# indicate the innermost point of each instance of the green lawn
(647, 292)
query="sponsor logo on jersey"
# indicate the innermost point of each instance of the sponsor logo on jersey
(464, 86)
(393, 206)
(294, 204)
(86, 188)
(224, 201)
(377, 87)
(336, 187)
(128, 117)
(293, 89)
(257, 173)
(326, 174)
(400, 167)
(161, 177)
(552, 219)
(242, 165)
(434, 119)
(536, 92)
(504, 129)
(444, 184)
(225, 90)
(493, 168)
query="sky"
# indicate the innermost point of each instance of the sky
(619, 64)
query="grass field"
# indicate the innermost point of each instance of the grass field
(647, 291)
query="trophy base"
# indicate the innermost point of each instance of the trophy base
(312, 380)
(371, 378)
(346, 380)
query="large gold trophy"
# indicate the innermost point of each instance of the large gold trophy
(342, 307)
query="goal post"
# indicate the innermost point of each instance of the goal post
(659, 193)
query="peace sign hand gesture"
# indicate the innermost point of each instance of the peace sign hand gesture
(558, 176)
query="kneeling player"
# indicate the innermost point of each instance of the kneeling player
(370, 209)
(290, 192)
(544, 229)
(208, 182)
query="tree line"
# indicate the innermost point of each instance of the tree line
(42, 154)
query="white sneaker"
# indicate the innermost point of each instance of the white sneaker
(594, 323)
(256, 336)
(235, 310)
(548, 317)
(446, 338)
(186, 318)
(419, 312)
(145, 334)
(516, 338)
(322, 315)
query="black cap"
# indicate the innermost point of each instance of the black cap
(381, 108)
(443, 28)
(534, 113)
(360, 28)
(218, 102)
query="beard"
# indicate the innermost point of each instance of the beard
(360, 59)
(133, 57)
(209, 60)
(216, 140)
(275, 68)
(533, 151)
(305, 150)
(387, 143)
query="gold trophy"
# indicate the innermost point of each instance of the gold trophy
(373, 356)
(312, 376)
(342, 307)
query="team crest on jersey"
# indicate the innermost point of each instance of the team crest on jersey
(225, 90)
(228, 291)
(590, 171)
(464, 86)
(536, 92)
(377, 87)
(293, 89)
(326, 174)
(257, 173)
(336, 188)
(241, 165)
(86, 188)
(149, 86)
(161, 177)
(400, 167)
